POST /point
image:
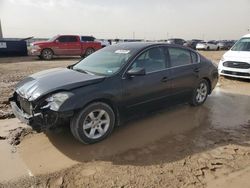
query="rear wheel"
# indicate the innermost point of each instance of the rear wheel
(89, 51)
(94, 123)
(47, 54)
(200, 93)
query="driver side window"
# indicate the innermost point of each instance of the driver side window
(152, 60)
(62, 39)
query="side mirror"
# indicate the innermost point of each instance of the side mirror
(136, 71)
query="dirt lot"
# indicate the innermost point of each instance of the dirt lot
(181, 146)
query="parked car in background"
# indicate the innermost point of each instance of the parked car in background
(65, 45)
(103, 42)
(192, 43)
(117, 81)
(210, 45)
(225, 45)
(176, 41)
(236, 61)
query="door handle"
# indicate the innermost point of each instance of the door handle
(164, 79)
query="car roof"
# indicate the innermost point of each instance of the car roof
(248, 35)
(142, 45)
(138, 46)
(135, 45)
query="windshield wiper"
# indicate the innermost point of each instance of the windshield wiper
(83, 71)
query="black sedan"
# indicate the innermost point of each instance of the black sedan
(119, 80)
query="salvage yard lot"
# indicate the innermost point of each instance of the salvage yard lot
(206, 146)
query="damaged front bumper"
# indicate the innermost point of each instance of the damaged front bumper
(39, 121)
(23, 117)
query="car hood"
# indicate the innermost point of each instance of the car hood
(52, 80)
(237, 56)
(40, 43)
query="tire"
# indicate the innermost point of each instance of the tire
(200, 93)
(218, 49)
(208, 48)
(88, 52)
(47, 54)
(93, 124)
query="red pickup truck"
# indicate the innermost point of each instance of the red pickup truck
(65, 45)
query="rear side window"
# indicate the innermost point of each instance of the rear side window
(87, 39)
(179, 57)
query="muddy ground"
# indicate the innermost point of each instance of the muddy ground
(179, 146)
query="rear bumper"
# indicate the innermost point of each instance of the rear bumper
(201, 48)
(214, 80)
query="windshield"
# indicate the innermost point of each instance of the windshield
(53, 38)
(242, 45)
(107, 61)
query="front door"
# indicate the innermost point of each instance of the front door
(151, 87)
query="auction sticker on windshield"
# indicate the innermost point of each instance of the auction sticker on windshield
(122, 51)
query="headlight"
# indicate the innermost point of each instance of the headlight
(56, 100)
(35, 47)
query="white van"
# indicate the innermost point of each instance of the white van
(236, 61)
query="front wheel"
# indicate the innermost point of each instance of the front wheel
(94, 123)
(47, 54)
(200, 93)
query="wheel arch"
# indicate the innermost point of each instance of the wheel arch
(209, 84)
(109, 102)
(48, 49)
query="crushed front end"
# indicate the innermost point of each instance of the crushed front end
(37, 114)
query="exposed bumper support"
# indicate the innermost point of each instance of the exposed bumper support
(40, 121)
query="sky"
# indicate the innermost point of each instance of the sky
(141, 19)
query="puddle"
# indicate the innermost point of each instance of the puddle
(53, 152)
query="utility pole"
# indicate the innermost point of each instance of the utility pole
(1, 33)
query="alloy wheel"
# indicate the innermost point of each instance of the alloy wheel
(96, 124)
(201, 92)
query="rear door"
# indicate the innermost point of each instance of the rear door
(149, 88)
(68, 45)
(184, 70)
(74, 45)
